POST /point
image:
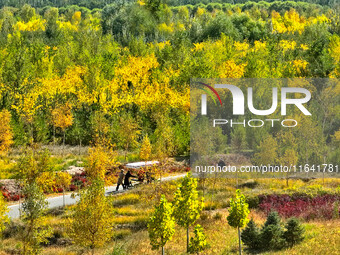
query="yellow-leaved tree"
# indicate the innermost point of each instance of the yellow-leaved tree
(62, 118)
(91, 221)
(145, 151)
(144, 154)
(6, 135)
(266, 152)
(63, 180)
(128, 133)
(3, 214)
(100, 159)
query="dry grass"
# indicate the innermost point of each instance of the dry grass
(133, 208)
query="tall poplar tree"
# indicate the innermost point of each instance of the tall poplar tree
(161, 226)
(187, 205)
(238, 214)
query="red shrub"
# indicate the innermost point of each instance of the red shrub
(300, 205)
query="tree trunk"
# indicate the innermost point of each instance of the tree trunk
(239, 241)
(64, 143)
(54, 135)
(163, 250)
(126, 149)
(79, 146)
(188, 239)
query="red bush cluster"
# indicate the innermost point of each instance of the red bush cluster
(301, 205)
(8, 195)
(78, 181)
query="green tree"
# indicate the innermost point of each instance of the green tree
(128, 133)
(91, 221)
(272, 232)
(266, 152)
(187, 205)
(250, 236)
(238, 214)
(199, 242)
(35, 231)
(238, 138)
(294, 232)
(290, 158)
(3, 214)
(161, 226)
(32, 164)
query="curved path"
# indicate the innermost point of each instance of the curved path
(55, 202)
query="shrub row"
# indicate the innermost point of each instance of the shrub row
(272, 236)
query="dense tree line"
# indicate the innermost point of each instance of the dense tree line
(92, 4)
(73, 76)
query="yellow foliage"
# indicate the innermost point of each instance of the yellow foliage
(299, 65)
(134, 83)
(291, 22)
(5, 168)
(32, 25)
(67, 26)
(63, 179)
(180, 27)
(91, 223)
(166, 28)
(100, 159)
(286, 45)
(198, 46)
(161, 45)
(200, 12)
(27, 105)
(259, 46)
(70, 83)
(145, 150)
(230, 69)
(334, 48)
(46, 181)
(304, 46)
(319, 19)
(3, 214)
(62, 116)
(6, 134)
(242, 48)
(337, 136)
(76, 17)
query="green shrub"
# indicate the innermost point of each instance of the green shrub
(272, 233)
(273, 218)
(271, 237)
(253, 202)
(199, 242)
(251, 236)
(294, 232)
(217, 216)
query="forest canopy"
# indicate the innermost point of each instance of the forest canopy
(123, 72)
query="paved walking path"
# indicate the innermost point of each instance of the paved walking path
(55, 202)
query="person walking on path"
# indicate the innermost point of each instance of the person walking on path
(127, 179)
(120, 179)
